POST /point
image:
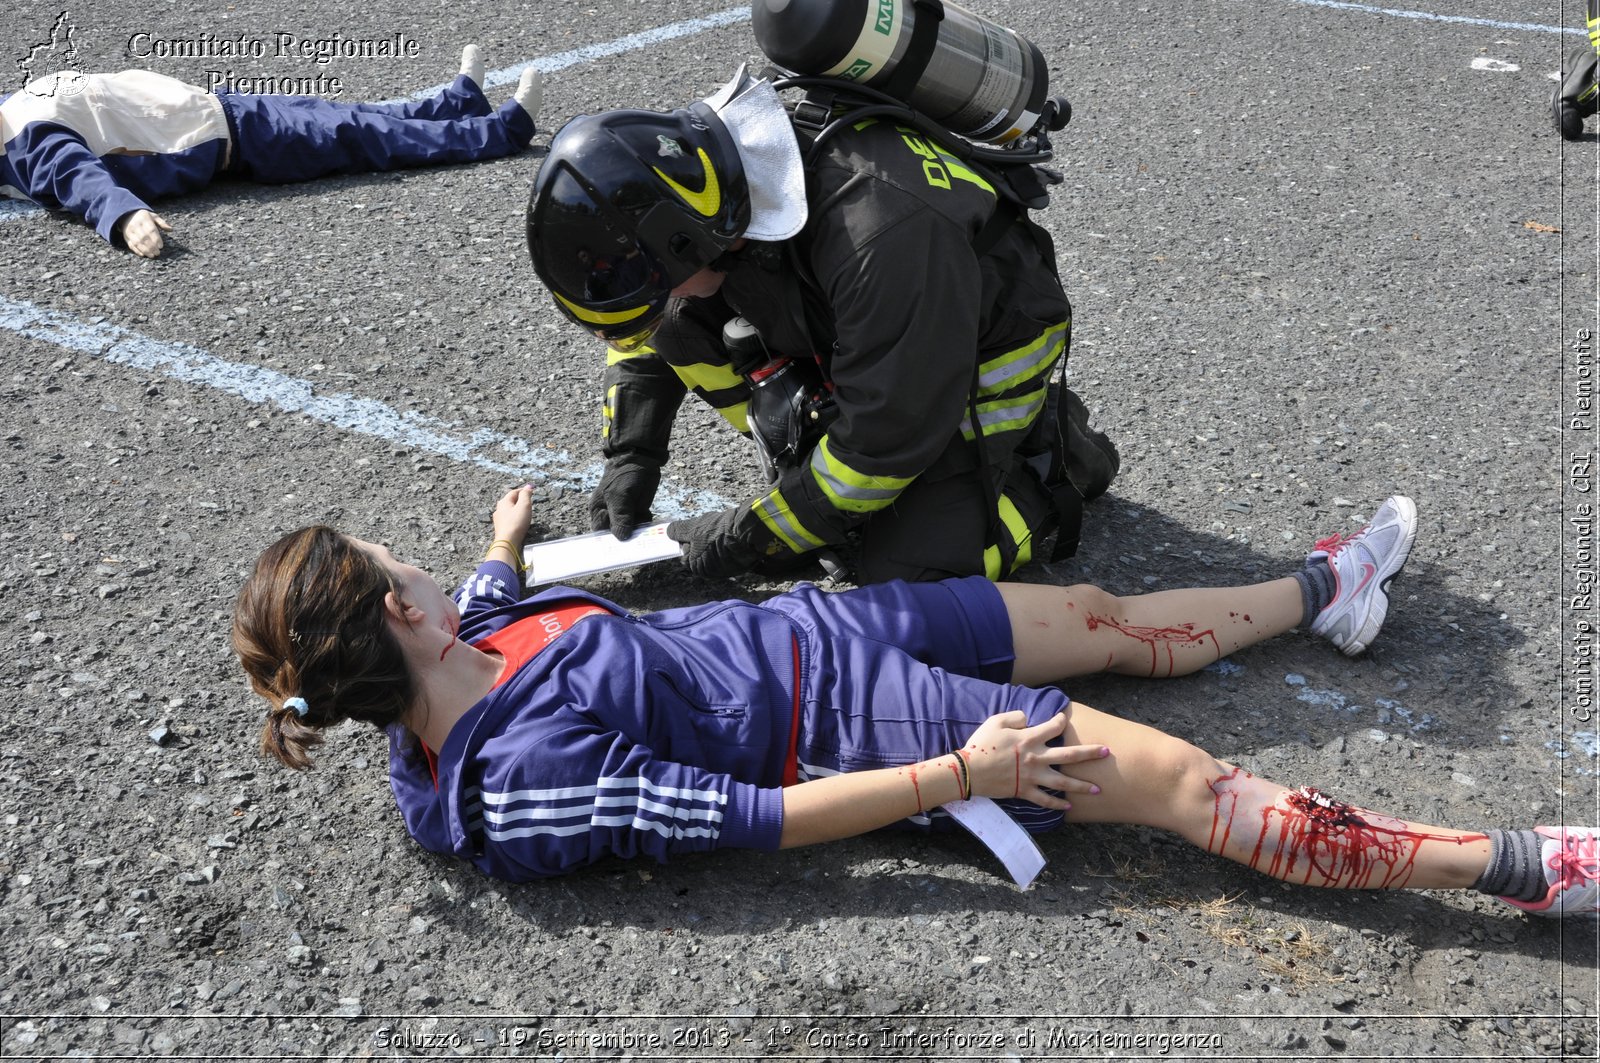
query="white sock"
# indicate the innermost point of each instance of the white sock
(472, 65)
(530, 92)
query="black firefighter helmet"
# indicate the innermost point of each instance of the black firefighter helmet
(627, 206)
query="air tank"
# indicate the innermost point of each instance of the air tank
(976, 78)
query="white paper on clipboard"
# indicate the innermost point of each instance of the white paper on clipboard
(560, 560)
(1014, 846)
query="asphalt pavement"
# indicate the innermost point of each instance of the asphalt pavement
(1318, 253)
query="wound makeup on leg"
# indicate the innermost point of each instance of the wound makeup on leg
(1305, 835)
(1158, 638)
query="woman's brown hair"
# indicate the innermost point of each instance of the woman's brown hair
(310, 624)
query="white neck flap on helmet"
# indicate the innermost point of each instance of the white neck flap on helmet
(755, 117)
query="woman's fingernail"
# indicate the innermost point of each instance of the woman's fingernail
(1067, 807)
(1105, 751)
(1094, 789)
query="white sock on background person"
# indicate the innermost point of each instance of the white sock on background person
(472, 65)
(530, 92)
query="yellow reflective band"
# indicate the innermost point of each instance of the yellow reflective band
(849, 490)
(737, 415)
(709, 376)
(596, 317)
(1004, 415)
(1012, 367)
(1024, 554)
(707, 379)
(1021, 537)
(613, 355)
(773, 511)
(608, 410)
(1021, 534)
(709, 199)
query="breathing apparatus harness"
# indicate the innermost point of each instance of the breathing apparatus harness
(820, 116)
(791, 403)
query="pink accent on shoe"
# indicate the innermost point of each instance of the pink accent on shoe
(1362, 564)
(1329, 544)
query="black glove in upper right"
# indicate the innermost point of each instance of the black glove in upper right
(714, 544)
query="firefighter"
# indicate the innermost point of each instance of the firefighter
(927, 302)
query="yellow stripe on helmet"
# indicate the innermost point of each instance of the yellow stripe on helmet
(598, 317)
(708, 200)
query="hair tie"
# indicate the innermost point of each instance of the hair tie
(298, 705)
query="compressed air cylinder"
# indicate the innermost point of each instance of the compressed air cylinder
(976, 78)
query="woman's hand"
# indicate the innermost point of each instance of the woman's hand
(1007, 758)
(512, 514)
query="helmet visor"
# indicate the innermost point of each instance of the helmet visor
(640, 339)
(602, 277)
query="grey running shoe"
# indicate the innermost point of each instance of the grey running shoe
(1363, 564)
(1571, 857)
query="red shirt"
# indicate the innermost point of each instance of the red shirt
(519, 643)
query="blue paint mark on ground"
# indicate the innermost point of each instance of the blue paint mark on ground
(1577, 747)
(1388, 710)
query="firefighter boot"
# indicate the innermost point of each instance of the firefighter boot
(1575, 99)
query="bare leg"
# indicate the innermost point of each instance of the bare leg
(1156, 780)
(1060, 632)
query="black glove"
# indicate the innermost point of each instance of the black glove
(642, 397)
(622, 500)
(713, 544)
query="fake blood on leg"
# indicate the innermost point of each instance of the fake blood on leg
(1342, 845)
(1158, 638)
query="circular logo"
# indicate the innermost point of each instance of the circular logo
(61, 83)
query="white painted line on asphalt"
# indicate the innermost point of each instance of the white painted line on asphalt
(17, 208)
(1494, 66)
(1531, 27)
(590, 52)
(516, 458)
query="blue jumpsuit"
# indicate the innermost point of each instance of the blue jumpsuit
(103, 145)
(676, 731)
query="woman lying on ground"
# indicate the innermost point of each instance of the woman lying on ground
(533, 736)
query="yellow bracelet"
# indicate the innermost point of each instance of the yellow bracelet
(516, 555)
